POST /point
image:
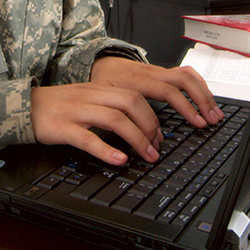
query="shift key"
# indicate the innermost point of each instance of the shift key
(93, 185)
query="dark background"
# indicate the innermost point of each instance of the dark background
(157, 26)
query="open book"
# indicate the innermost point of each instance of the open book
(226, 73)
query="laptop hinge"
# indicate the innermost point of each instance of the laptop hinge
(239, 231)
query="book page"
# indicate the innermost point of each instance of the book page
(227, 73)
(219, 65)
(229, 67)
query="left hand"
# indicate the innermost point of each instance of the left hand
(161, 84)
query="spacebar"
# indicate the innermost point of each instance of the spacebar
(85, 209)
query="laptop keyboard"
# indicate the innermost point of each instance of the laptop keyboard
(171, 191)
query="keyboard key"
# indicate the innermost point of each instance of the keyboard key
(48, 182)
(170, 163)
(208, 171)
(238, 119)
(141, 189)
(175, 141)
(181, 220)
(235, 125)
(60, 174)
(242, 114)
(128, 202)
(152, 180)
(190, 209)
(180, 156)
(110, 193)
(193, 165)
(185, 196)
(153, 206)
(32, 191)
(164, 116)
(91, 186)
(65, 188)
(176, 206)
(128, 176)
(169, 110)
(208, 191)
(199, 200)
(194, 187)
(187, 148)
(161, 172)
(177, 181)
(186, 128)
(186, 173)
(71, 165)
(140, 168)
(194, 142)
(202, 179)
(168, 190)
(167, 129)
(230, 108)
(76, 178)
(201, 157)
(174, 122)
(228, 131)
(245, 110)
(167, 216)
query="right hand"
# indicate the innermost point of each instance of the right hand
(63, 115)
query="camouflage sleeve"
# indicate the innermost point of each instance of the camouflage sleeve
(15, 109)
(83, 36)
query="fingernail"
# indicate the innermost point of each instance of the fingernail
(153, 153)
(201, 121)
(213, 116)
(119, 156)
(219, 113)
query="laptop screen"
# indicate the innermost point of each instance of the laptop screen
(236, 195)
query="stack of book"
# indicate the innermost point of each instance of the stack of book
(222, 53)
(230, 32)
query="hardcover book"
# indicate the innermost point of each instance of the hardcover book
(230, 32)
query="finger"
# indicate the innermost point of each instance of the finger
(131, 103)
(162, 91)
(87, 141)
(182, 105)
(117, 122)
(189, 80)
(198, 90)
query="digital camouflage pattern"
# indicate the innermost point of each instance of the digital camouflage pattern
(47, 42)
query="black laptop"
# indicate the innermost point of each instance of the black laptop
(195, 197)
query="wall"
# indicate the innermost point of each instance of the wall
(230, 7)
(156, 25)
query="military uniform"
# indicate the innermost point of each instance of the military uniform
(47, 42)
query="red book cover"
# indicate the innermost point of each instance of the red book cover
(231, 32)
(233, 21)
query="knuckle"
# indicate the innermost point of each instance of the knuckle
(133, 98)
(171, 91)
(116, 116)
(187, 70)
(87, 139)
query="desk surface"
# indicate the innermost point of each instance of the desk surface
(16, 234)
